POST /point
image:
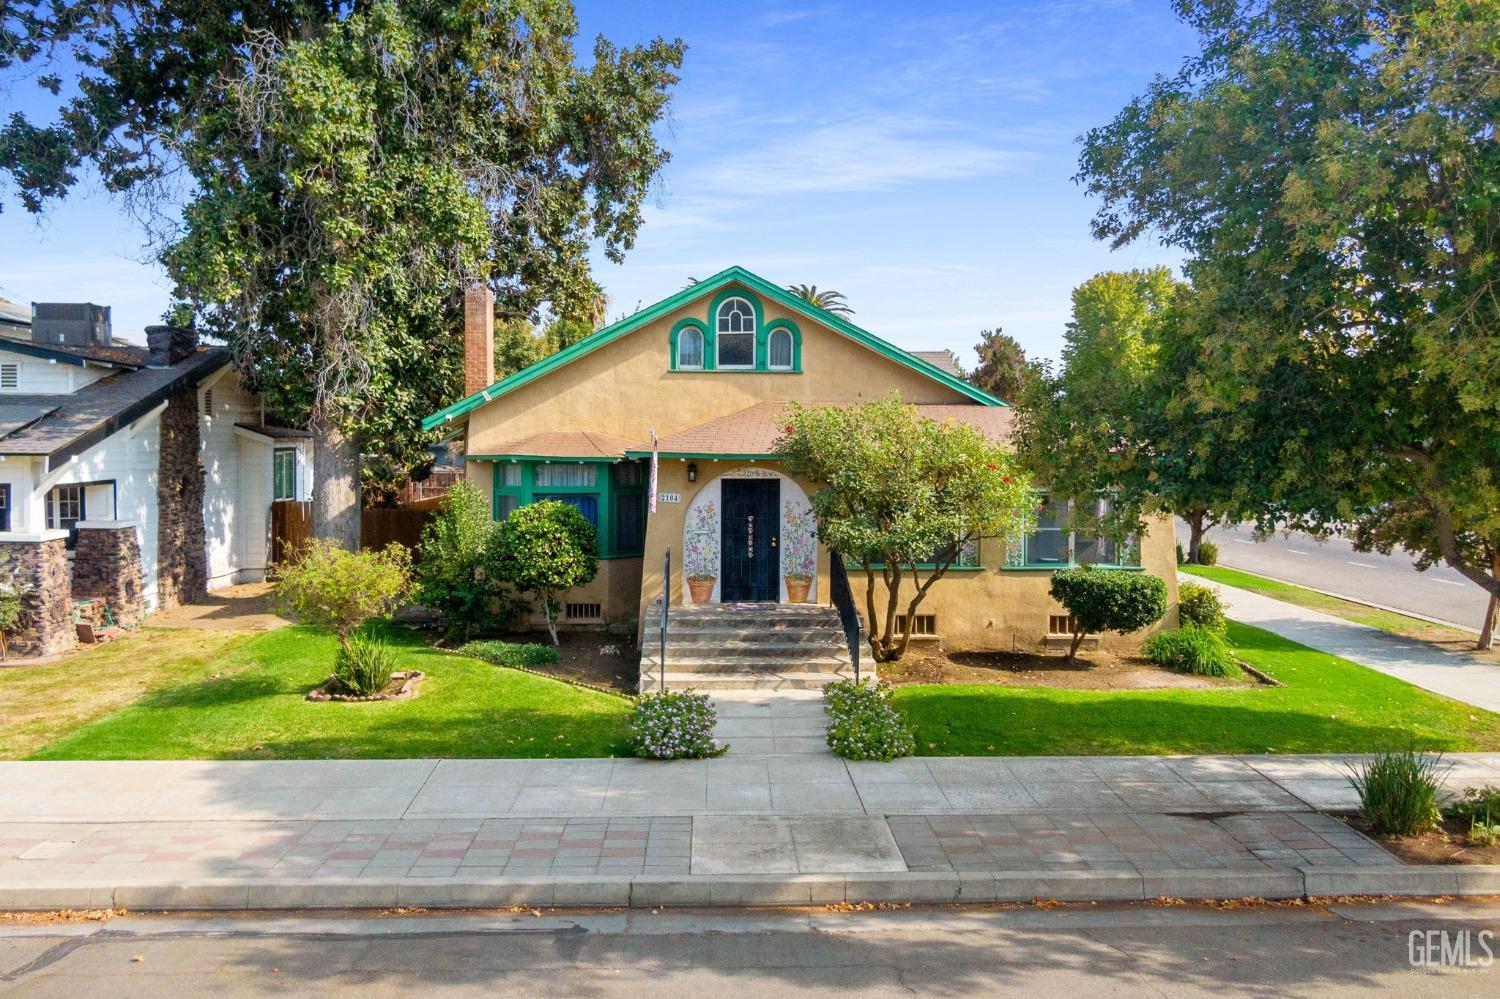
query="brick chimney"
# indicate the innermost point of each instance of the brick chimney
(479, 338)
(168, 345)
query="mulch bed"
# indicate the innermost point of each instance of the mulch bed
(1449, 844)
(403, 687)
(1095, 670)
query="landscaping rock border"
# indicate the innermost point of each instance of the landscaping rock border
(403, 688)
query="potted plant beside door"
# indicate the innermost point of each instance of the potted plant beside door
(799, 552)
(701, 553)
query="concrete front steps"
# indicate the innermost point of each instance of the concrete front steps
(749, 647)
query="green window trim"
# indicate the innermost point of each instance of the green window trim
(709, 331)
(526, 491)
(1017, 551)
(708, 344)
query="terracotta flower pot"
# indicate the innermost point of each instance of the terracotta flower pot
(796, 590)
(702, 590)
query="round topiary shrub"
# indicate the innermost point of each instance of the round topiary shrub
(1192, 649)
(866, 724)
(1201, 605)
(1108, 600)
(674, 725)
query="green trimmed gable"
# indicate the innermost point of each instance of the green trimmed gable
(732, 282)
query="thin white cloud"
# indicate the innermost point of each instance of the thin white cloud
(873, 154)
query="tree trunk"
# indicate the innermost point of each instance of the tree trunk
(1078, 637)
(551, 625)
(873, 635)
(335, 485)
(1487, 632)
(1194, 520)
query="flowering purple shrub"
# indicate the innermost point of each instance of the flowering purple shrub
(865, 724)
(674, 725)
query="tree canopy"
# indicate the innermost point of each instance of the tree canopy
(904, 496)
(1331, 170)
(1002, 364)
(349, 169)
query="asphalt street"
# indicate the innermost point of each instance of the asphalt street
(1335, 567)
(1420, 949)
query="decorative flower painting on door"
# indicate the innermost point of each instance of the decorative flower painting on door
(799, 550)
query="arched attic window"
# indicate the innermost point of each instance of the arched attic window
(779, 351)
(690, 348)
(735, 334)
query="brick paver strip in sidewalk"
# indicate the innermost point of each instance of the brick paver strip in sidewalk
(397, 850)
(1145, 842)
(374, 849)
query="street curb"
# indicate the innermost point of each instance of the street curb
(658, 891)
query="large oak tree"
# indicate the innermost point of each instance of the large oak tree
(1332, 172)
(347, 169)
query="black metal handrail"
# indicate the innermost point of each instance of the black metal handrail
(843, 602)
(666, 602)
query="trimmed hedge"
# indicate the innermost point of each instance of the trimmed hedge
(528, 654)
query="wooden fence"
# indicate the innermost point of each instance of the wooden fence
(403, 525)
(291, 526)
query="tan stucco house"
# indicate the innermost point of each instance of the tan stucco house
(710, 371)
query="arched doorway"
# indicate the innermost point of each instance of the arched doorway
(749, 535)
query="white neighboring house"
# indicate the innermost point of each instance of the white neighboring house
(100, 435)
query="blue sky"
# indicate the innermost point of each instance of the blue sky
(916, 157)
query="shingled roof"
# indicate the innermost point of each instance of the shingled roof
(753, 432)
(61, 425)
(944, 359)
(579, 445)
(118, 354)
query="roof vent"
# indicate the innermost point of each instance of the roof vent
(71, 324)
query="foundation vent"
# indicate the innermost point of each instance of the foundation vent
(924, 624)
(585, 612)
(1060, 624)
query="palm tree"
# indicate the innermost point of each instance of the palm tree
(828, 301)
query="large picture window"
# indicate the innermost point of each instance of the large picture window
(1068, 534)
(611, 496)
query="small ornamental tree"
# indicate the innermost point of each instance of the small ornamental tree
(544, 548)
(328, 586)
(904, 496)
(453, 578)
(1108, 600)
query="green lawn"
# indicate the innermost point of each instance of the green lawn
(253, 707)
(1452, 639)
(1329, 705)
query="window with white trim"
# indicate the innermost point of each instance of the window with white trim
(690, 348)
(779, 351)
(735, 334)
(284, 473)
(65, 508)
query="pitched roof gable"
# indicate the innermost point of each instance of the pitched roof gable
(705, 288)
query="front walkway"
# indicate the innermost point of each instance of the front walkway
(1452, 674)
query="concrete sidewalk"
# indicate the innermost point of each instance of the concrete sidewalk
(1452, 674)
(757, 829)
